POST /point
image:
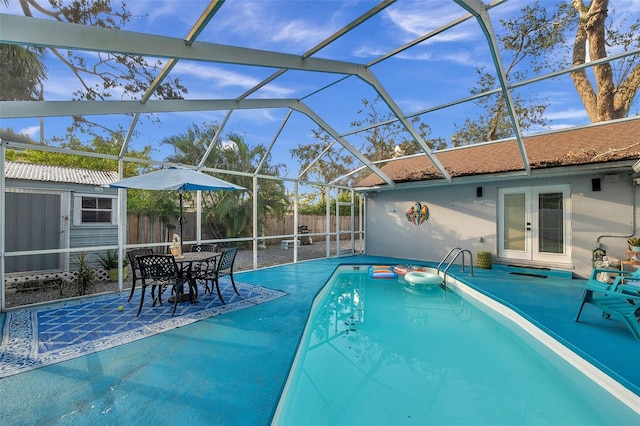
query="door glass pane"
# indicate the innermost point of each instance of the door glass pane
(514, 222)
(551, 223)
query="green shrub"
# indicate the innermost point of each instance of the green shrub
(84, 281)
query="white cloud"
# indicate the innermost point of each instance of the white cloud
(368, 51)
(272, 25)
(228, 145)
(299, 31)
(33, 131)
(414, 55)
(464, 57)
(558, 126)
(417, 18)
(150, 12)
(568, 114)
(250, 119)
(221, 78)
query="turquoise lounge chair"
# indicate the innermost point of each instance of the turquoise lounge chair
(620, 299)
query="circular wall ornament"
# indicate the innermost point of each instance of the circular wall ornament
(417, 213)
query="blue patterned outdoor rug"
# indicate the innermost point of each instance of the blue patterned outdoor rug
(46, 335)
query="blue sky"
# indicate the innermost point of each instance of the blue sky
(435, 72)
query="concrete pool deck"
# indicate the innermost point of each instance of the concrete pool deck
(230, 369)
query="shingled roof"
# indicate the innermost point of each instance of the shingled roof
(613, 141)
(46, 173)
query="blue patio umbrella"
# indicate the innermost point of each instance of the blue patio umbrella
(176, 178)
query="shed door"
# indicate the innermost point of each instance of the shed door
(33, 222)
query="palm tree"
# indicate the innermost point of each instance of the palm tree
(229, 214)
(22, 73)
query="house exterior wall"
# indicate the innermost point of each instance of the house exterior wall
(458, 218)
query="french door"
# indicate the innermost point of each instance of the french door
(534, 223)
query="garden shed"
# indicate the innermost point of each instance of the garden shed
(52, 208)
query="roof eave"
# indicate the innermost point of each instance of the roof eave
(570, 170)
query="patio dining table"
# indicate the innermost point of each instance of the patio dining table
(187, 268)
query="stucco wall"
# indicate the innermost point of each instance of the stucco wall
(458, 218)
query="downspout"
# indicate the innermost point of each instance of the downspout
(633, 218)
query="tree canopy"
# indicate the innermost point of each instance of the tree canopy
(536, 40)
(22, 73)
(378, 143)
(98, 145)
(101, 76)
(610, 93)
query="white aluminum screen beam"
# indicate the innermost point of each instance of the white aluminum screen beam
(206, 16)
(22, 30)
(127, 138)
(315, 160)
(273, 141)
(355, 23)
(28, 109)
(195, 31)
(301, 107)
(368, 76)
(478, 9)
(213, 140)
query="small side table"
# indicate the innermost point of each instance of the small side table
(630, 262)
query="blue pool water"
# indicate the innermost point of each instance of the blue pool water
(380, 352)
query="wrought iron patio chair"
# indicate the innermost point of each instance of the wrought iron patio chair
(204, 247)
(202, 267)
(136, 275)
(159, 271)
(223, 269)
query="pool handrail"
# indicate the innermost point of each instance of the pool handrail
(458, 251)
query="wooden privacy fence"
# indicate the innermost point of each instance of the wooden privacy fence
(316, 224)
(143, 229)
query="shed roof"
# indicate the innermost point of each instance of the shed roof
(607, 142)
(45, 173)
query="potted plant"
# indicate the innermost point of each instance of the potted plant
(634, 243)
(109, 261)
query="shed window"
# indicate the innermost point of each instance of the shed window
(94, 210)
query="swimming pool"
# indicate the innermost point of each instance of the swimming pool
(381, 352)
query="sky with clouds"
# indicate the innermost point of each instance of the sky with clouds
(437, 71)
